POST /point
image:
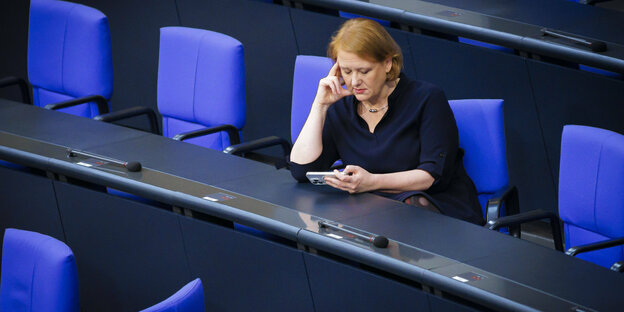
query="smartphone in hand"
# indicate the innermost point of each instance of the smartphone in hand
(318, 178)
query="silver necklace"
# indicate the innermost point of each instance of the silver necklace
(374, 110)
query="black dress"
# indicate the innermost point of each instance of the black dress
(418, 131)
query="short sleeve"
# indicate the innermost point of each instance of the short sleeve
(439, 139)
(328, 156)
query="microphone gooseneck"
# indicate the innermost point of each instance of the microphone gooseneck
(132, 166)
(377, 240)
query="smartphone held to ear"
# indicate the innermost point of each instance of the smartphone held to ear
(318, 178)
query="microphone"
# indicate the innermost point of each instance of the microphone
(132, 166)
(378, 241)
(595, 46)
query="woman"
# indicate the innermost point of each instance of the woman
(398, 137)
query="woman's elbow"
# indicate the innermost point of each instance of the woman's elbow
(299, 175)
(427, 180)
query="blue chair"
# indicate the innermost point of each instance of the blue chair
(308, 71)
(486, 45)
(201, 88)
(353, 15)
(69, 58)
(591, 193)
(600, 71)
(38, 273)
(189, 298)
(482, 137)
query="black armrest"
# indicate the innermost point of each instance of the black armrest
(23, 85)
(246, 150)
(508, 196)
(618, 267)
(573, 251)
(231, 131)
(132, 112)
(241, 149)
(529, 216)
(102, 103)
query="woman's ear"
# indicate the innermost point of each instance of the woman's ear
(388, 64)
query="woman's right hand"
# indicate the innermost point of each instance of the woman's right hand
(330, 88)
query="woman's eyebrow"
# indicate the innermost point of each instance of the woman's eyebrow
(359, 68)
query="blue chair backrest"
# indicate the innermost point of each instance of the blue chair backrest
(309, 70)
(482, 136)
(189, 298)
(591, 190)
(69, 54)
(353, 15)
(484, 45)
(201, 83)
(38, 273)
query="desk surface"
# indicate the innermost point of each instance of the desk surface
(514, 24)
(425, 247)
(586, 20)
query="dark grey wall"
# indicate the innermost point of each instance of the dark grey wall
(14, 41)
(539, 97)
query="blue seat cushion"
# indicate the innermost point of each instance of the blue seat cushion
(43, 97)
(576, 236)
(172, 126)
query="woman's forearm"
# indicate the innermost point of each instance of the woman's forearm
(309, 144)
(396, 182)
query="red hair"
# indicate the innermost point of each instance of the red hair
(368, 40)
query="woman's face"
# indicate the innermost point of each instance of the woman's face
(363, 77)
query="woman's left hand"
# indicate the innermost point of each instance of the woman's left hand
(353, 179)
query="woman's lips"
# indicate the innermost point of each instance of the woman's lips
(358, 91)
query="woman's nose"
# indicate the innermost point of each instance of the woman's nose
(355, 79)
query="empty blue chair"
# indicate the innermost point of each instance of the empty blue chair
(485, 45)
(201, 88)
(69, 57)
(69, 60)
(591, 197)
(38, 273)
(201, 83)
(482, 137)
(600, 71)
(353, 15)
(591, 192)
(189, 298)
